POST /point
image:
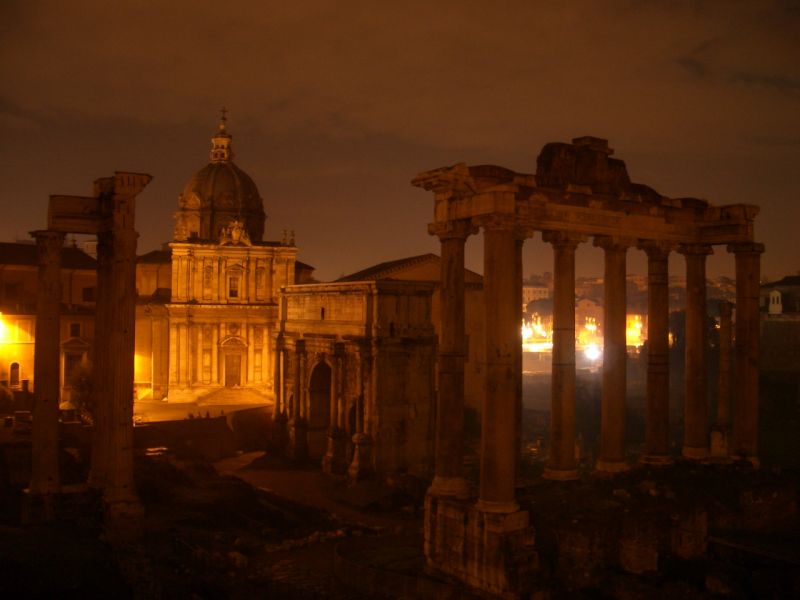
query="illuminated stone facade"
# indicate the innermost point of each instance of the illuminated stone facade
(208, 309)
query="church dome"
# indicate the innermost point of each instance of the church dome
(218, 195)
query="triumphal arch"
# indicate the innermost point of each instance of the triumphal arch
(579, 193)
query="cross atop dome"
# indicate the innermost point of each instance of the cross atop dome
(221, 141)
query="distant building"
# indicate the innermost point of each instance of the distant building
(780, 326)
(18, 289)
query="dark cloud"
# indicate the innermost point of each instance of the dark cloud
(336, 105)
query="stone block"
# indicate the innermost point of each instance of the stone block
(690, 534)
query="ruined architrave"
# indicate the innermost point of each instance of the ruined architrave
(578, 192)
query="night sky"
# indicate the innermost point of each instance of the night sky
(335, 106)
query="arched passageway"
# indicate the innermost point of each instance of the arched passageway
(319, 410)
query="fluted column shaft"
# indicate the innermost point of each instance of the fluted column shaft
(45, 478)
(561, 463)
(745, 416)
(612, 415)
(656, 440)
(695, 412)
(449, 443)
(503, 337)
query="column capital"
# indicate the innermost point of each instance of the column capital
(746, 248)
(458, 229)
(611, 243)
(563, 239)
(656, 249)
(695, 249)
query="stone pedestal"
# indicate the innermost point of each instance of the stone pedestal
(335, 459)
(361, 465)
(489, 551)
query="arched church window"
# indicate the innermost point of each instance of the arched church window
(13, 379)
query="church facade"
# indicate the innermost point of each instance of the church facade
(208, 308)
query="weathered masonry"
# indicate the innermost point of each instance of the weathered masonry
(109, 214)
(355, 376)
(579, 192)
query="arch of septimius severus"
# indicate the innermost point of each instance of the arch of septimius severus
(579, 193)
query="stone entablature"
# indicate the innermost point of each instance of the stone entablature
(356, 370)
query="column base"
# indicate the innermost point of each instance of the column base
(657, 460)
(493, 552)
(361, 467)
(490, 506)
(610, 467)
(335, 461)
(693, 453)
(560, 474)
(449, 487)
(719, 446)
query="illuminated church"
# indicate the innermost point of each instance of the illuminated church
(208, 305)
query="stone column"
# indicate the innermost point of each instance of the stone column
(745, 415)
(615, 356)
(335, 459)
(722, 425)
(279, 416)
(561, 463)
(695, 411)
(449, 441)
(98, 475)
(122, 503)
(724, 381)
(656, 439)
(45, 478)
(503, 319)
(298, 429)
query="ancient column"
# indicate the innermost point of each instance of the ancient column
(101, 430)
(279, 416)
(695, 411)
(723, 420)
(745, 415)
(615, 356)
(335, 460)
(122, 503)
(720, 432)
(449, 452)
(45, 479)
(561, 463)
(503, 319)
(656, 439)
(298, 430)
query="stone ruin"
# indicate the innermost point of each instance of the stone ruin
(578, 192)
